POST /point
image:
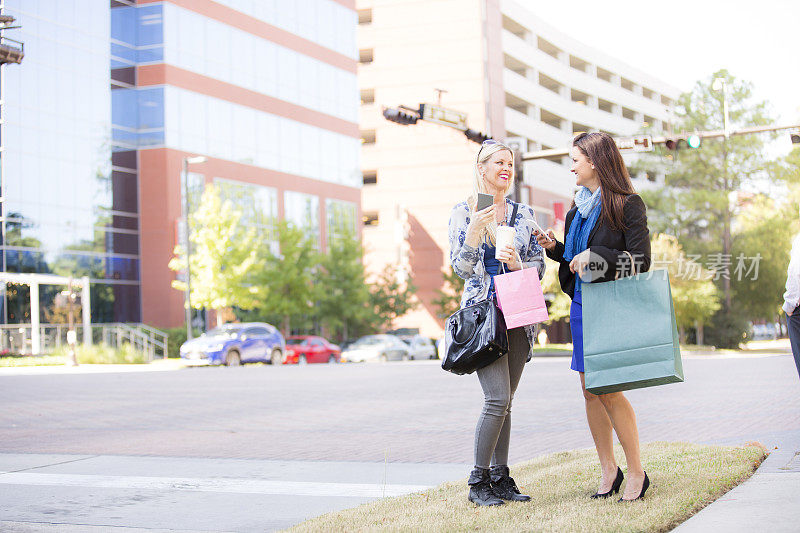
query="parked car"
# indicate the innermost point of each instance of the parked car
(235, 344)
(404, 334)
(421, 347)
(376, 348)
(441, 348)
(302, 349)
(765, 332)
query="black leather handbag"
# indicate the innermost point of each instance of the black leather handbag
(475, 337)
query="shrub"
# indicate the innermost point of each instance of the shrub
(727, 329)
(176, 337)
(104, 354)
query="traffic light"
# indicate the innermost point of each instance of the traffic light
(676, 143)
(476, 136)
(795, 138)
(401, 117)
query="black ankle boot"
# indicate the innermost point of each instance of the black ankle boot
(480, 488)
(504, 486)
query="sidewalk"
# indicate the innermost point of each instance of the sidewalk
(157, 365)
(62, 493)
(768, 501)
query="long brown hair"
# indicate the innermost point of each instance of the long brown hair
(615, 181)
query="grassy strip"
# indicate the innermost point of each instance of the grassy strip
(30, 360)
(685, 478)
(549, 350)
(97, 354)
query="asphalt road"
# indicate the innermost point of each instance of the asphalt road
(258, 448)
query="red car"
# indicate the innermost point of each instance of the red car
(302, 349)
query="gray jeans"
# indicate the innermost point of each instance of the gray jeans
(499, 381)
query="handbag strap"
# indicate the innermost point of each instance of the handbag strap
(514, 214)
(514, 221)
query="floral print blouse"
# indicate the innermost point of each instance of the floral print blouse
(468, 263)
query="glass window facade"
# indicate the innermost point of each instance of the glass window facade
(320, 21)
(137, 35)
(340, 218)
(203, 45)
(138, 117)
(202, 124)
(302, 210)
(258, 205)
(67, 210)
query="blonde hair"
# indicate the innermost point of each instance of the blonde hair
(478, 185)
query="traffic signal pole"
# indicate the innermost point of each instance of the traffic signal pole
(629, 144)
(437, 114)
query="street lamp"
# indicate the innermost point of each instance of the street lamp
(722, 84)
(187, 298)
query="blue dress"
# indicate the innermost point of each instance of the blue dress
(491, 264)
(576, 327)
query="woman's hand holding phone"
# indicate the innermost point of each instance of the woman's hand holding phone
(477, 224)
(545, 240)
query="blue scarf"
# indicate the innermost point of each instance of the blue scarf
(577, 239)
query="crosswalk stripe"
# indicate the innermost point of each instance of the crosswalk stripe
(228, 485)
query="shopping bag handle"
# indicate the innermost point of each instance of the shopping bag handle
(521, 264)
(513, 221)
(633, 265)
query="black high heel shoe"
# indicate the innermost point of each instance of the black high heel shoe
(614, 487)
(645, 485)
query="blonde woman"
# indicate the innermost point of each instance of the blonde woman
(472, 255)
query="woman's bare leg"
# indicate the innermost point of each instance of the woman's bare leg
(602, 433)
(623, 419)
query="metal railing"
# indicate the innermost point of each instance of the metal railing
(149, 341)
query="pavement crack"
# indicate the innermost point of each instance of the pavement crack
(47, 465)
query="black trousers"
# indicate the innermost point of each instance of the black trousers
(793, 321)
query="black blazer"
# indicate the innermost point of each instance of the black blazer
(610, 245)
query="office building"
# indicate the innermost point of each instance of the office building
(113, 98)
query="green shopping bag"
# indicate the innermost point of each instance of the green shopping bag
(630, 337)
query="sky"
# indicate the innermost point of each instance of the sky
(682, 41)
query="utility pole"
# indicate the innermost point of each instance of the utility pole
(720, 84)
(186, 233)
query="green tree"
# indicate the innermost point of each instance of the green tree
(287, 277)
(559, 301)
(448, 298)
(342, 295)
(694, 295)
(787, 173)
(697, 203)
(224, 258)
(761, 248)
(389, 298)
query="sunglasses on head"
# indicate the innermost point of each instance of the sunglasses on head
(487, 142)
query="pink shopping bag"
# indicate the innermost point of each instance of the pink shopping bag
(520, 297)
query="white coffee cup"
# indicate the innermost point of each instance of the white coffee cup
(505, 237)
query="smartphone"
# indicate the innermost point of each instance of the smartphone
(484, 201)
(540, 230)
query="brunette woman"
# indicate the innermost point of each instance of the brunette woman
(607, 220)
